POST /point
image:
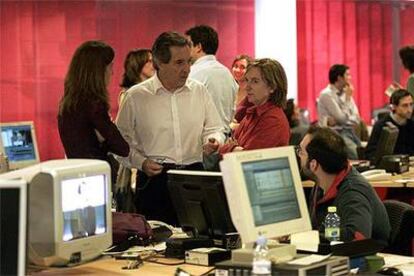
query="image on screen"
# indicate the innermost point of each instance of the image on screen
(83, 206)
(18, 142)
(271, 191)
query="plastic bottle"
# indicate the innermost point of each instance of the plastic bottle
(261, 263)
(332, 225)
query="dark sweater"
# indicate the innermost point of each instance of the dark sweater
(362, 213)
(405, 141)
(77, 132)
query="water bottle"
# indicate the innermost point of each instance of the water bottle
(332, 225)
(261, 263)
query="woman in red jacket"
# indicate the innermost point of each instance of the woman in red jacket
(264, 124)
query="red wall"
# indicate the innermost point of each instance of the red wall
(354, 32)
(38, 38)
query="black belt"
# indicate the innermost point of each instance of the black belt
(172, 166)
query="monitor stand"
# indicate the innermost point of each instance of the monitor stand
(278, 253)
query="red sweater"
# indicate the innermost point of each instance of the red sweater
(263, 126)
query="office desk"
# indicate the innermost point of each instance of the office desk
(396, 181)
(109, 266)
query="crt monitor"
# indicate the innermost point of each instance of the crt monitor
(13, 205)
(200, 203)
(265, 193)
(18, 142)
(386, 143)
(69, 210)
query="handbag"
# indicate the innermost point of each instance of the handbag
(130, 227)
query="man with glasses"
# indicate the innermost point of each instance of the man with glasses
(401, 103)
(323, 158)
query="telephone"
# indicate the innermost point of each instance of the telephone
(376, 175)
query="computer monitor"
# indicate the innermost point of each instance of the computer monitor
(18, 142)
(265, 193)
(69, 210)
(13, 205)
(386, 143)
(200, 203)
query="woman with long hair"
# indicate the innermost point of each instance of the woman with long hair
(138, 67)
(238, 69)
(85, 128)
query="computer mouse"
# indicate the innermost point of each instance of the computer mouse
(390, 271)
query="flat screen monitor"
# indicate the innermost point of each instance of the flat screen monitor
(13, 205)
(386, 143)
(200, 203)
(265, 193)
(69, 203)
(18, 142)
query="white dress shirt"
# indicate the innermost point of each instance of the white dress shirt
(333, 104)
(220, 84)
(167, 126)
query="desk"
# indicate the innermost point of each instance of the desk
(109, 266)
(396, 181)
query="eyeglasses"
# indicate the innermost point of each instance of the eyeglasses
(298, 150)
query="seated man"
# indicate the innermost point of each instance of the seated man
(337, 109)
(363, 215)
(401, 103)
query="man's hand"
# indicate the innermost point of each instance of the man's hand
(151, 168)
(211, 146)
(238, 148)
(330, 121)
(349, 91)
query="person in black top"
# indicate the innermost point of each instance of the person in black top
(85, 128)
(323, 158)
(402, 108)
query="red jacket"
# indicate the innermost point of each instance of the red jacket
(263, 126)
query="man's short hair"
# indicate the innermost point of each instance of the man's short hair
(161, 52)
(328, 148)
(206, 36)
(336, 71)
(398, 95)
(407, 57)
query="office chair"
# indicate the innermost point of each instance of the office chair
(401, 217)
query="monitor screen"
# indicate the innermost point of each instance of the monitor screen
(18, 142)
(83, 207)
(69, 210)
(12, 227)
(264, 192)
(200, 203)
(386, 143)
(271, 190)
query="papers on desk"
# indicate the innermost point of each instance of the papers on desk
(403, 263)
(134, 250)
(404, 180)
(306, 241)
(308, 260)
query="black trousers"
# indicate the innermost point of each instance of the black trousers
(152, 198)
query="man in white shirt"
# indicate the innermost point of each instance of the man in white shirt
(217, 78)
(168, 120)
(337, 108)
(208, 70)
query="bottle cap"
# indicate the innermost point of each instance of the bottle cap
(332, 209)
(261, 240)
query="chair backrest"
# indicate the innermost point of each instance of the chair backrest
(401, 217)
